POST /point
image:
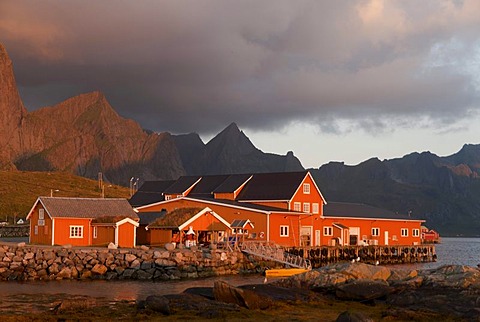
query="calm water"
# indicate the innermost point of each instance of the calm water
(459, 251)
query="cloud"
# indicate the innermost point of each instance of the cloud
(184, 66)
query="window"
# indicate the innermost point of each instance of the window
(297, 206)
(404, 232)
(306, 188)
(41, 214)
(95, 232)
(306, 207)
(394, 237)
(415, 232)
(315, 208)
(327, 231)
(283, 231)
(36, 230)
(41, 222)
(76, 231)
(375, 231)
(168, 197)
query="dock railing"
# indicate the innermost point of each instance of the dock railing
(274, 252)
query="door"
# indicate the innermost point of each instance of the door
(386, 237)
(306, 236)
(354, 233)
(317, 237)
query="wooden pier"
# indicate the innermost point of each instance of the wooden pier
(376, 255)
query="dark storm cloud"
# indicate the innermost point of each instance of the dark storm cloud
(184, 66)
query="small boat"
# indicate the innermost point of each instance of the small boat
(284, 272)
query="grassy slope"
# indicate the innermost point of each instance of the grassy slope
(20, 189)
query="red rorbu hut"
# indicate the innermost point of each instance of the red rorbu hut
(196, 225)
(429, 236)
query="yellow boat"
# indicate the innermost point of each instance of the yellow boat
(284, 272)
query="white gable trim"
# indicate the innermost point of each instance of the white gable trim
(125, 220)
(199, 214)
(314, 184)
(35, 205)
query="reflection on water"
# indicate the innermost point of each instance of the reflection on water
(118, 290)
(456, 251)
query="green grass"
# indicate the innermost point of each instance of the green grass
(20, 189)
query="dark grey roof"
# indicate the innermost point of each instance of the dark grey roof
(150, 192)
(232, 183)
(207, 185)
(88, 207)
(147, 218)
(181, 185)
(356, 210)
(272, 186)
(239, 223)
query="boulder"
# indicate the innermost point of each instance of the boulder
(227, 293)
(169, 246)
(158, 303)
(112, 246)
(99, 269)
(363, 290)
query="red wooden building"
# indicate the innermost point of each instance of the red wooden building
(82, 222)
(286, 208)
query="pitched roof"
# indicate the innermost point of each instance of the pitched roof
(272, 186)
(147, 218)
(240, 223)
(357, 210)
(150, 192)
(207, 185)
(175, 218)
(61, 207)
(232, 183)
(181, 185)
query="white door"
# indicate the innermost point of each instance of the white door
(317, 237)
(386, 237)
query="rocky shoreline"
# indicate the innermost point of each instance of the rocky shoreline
(20, 262)
(339, 292)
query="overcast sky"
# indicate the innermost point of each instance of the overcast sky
(329, 80)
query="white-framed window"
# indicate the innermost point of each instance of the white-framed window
(95, 232)
(297, 206)
(306, 207)
(283, 231)
(76, 231)
(168, 197)
(327, 231)
(237, 230)
(41, 214)
(404, 232)
(375, 231)
(315, 208)
(41, 222)
(35, 230)
(394, 237)
(306, 188)
(415, 232)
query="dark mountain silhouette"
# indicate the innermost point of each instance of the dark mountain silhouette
(443, 190)
(231, 151)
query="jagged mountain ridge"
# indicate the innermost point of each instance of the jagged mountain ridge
(84, 135)
(443, 190)
(231, 151)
